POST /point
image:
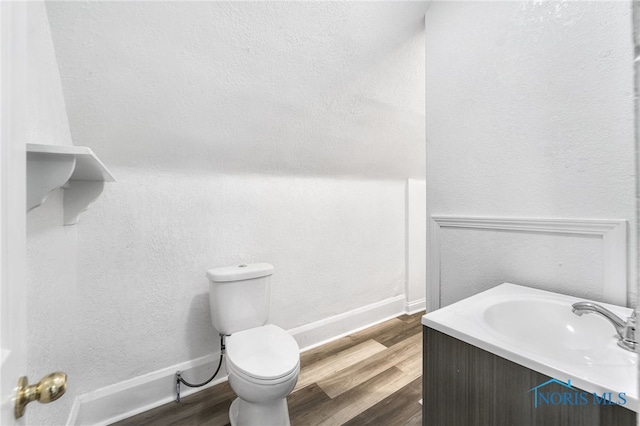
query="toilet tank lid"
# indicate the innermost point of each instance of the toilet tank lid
(240, 272)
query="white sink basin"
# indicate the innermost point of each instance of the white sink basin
(537, 329)
(550, 328)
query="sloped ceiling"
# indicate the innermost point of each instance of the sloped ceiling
(308, 88)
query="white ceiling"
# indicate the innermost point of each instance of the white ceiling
(309, 88)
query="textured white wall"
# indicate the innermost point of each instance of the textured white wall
(144, 247)
(237, 132)
(138, 301)
(529, 113)
(47, 123)
(312, 88)
(479, 258)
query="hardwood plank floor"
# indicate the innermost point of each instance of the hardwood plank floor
(372, 377)
(347, 378)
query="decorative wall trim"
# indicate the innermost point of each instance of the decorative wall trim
(416, 244)
(613, 233)
(128, 398)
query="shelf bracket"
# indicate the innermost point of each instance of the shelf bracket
(45, 175)
(76, 169)
(78, 195)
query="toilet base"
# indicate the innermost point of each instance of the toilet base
(243, 413)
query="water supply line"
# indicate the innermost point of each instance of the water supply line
(180, 380)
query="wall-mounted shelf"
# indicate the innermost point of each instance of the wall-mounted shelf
(76, 169)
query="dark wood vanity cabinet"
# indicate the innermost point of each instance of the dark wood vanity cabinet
(467, 386)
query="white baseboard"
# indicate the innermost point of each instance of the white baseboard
(126, 399)
(416, 306)
(320, 332)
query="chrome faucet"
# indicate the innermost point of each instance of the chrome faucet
(626, 329)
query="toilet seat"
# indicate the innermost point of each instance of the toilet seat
(263, 382)
(263, 354)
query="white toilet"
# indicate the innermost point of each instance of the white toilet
(263, 361)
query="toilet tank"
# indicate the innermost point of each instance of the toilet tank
(239, 296)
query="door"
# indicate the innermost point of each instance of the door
(13, 208)
(12, 205)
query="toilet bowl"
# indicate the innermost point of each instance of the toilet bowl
(263, 364)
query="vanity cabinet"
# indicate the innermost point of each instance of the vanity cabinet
(467, 386)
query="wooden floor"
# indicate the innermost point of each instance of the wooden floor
(372, 377)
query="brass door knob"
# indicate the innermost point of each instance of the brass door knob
(48, 389)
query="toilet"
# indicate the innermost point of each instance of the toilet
(263, 360)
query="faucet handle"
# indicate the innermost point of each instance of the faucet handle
(629, 335)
